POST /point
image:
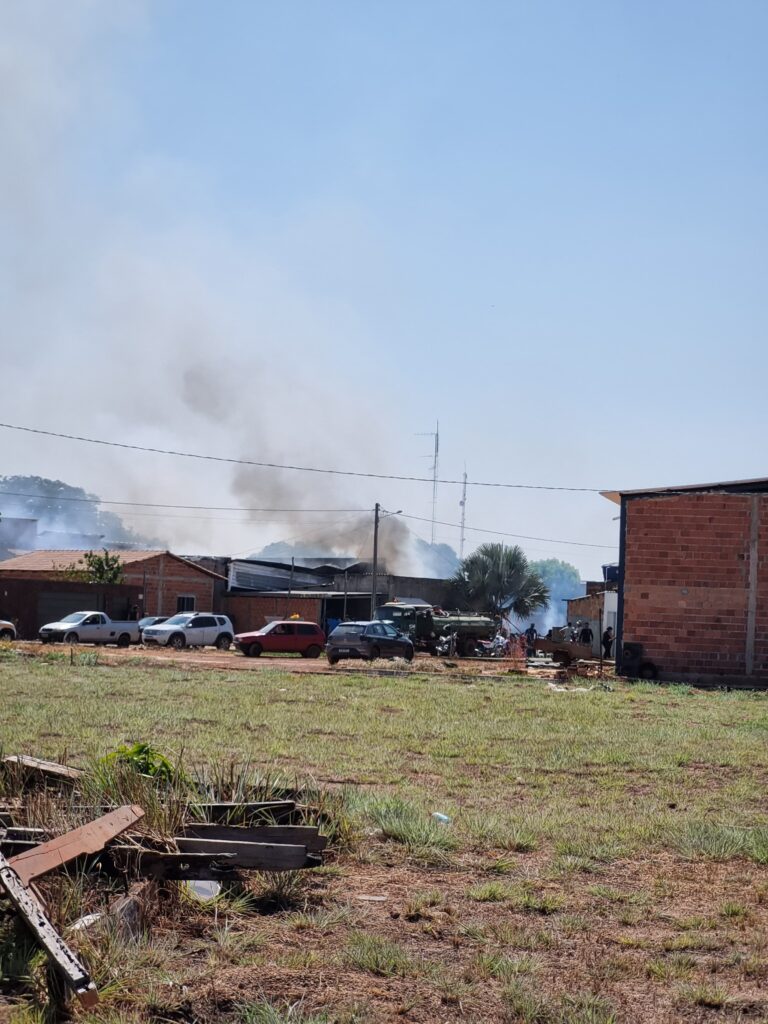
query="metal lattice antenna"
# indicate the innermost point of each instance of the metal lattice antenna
(436, 435)
(463, 506)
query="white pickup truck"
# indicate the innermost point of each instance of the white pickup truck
(90, 628)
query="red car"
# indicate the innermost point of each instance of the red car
(289, 636)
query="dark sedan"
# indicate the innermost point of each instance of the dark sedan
(151, 620)
(368, 640)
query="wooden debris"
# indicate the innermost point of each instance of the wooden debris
(49, 769)
(129, 913)
(90, 838)
(175, 866)
(61, 957)
(299, 835)
(253, 856)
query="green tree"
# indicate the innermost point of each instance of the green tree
(95, 568)
(496, 577)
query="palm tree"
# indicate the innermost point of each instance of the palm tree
(496, 578)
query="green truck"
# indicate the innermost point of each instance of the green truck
(425, 625)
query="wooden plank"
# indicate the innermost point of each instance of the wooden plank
(61, 957)
(254, 856)
(51, 769)
(297, 835)
(90, 838)
(175, 866)
(233, 813)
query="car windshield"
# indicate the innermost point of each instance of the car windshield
(347, 629)
(75, 617)
(177, 620)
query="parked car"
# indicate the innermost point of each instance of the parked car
(288, 636)
(368, 640)
(7, 630)
(90, 628)
(191, 629)
(152, 620)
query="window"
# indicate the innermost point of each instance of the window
(185, 603)
(376, 630)
(204, 621)
(389, 630)
(304, 629)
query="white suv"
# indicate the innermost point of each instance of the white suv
(191, 629)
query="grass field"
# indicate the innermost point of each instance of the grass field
(606, 858)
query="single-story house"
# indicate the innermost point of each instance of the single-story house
(168, 583)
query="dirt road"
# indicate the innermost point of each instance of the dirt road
(233, 661)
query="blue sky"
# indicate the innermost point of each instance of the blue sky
(305, 232)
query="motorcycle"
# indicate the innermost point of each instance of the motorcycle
(446, 645)
(496, 648)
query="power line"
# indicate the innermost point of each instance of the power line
(298, 469)
(520, 536)
(265, 522)
(154, 504)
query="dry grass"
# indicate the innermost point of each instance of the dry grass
(605, 859)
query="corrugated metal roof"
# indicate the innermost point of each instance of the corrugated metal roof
(757, 484)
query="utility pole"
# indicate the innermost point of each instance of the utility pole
(463, 504)
(377, 517)
(434, 481)
(375, 557)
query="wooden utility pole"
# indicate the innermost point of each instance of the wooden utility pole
(375, 566)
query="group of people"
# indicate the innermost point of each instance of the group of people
(584, 635)
(578, 634)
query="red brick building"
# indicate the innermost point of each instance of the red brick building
(167, 583)
(693, 582)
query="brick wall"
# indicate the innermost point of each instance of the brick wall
(251, 612)
(27, 601)
(163, 579)
(687, 582)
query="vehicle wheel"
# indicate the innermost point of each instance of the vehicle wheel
(71, 638)
(648, 670)
(408, 655)
(178, 642)
(375, 653)
(224, 642)
(333, 659)
(312, 652)
(6, 635)
(469, 647)
(253, 651)
(123, 640)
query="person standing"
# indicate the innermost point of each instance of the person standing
(607, 642)
(586, 636)
(531, 635)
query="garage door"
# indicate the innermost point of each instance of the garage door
(51, 607)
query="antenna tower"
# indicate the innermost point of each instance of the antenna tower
(463, 506)
(436, 435)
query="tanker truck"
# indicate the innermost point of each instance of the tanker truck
(425, 625)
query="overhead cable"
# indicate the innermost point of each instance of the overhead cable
(298, 469)
(520, 536)
(154, 504)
